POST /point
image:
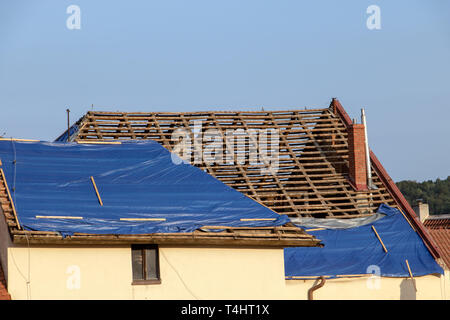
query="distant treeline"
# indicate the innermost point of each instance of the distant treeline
(435, 193)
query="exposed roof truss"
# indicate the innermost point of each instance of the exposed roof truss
(312, 174)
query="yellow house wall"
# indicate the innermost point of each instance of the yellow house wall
(105, 273)
(189, 273)
(428, 287)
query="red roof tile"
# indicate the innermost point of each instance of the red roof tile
(440, 231)
(437, 223)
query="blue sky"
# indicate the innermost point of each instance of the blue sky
(228, 55)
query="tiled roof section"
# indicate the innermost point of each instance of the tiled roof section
(442, 238)
(442, 223)
(4, 295)
(440, 231)
(312, 179)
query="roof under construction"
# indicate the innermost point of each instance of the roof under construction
(312, 175)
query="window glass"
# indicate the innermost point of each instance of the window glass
(151, 263)
(137, 262)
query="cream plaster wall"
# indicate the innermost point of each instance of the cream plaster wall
(105, 273)
(428, 287)
(189, 273)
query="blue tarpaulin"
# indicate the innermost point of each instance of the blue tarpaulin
(134, 179)
(357, 251)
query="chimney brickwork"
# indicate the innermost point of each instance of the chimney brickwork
(357, 157)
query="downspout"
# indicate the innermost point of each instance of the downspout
(315, 287)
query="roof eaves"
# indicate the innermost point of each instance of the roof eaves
(283, 236)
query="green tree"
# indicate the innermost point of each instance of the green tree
(435, 193)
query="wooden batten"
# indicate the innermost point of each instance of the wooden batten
(142, 219)
(96, 191)
(20, 140)
(258, 219)
(59, 217)
(411, 275)
(379, 238)
(97, 142)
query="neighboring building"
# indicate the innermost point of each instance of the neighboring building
(319, 186)
(439, 228)
(4, 295)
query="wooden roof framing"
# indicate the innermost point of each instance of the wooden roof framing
(312, 179)
(282, 236)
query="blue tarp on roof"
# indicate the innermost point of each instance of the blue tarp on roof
(134, 179)
(357, 251)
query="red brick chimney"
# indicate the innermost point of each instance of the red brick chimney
(357, 157)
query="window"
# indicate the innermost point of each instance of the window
(145, 263)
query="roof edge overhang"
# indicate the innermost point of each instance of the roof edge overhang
(167, 239)
(393, 189)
